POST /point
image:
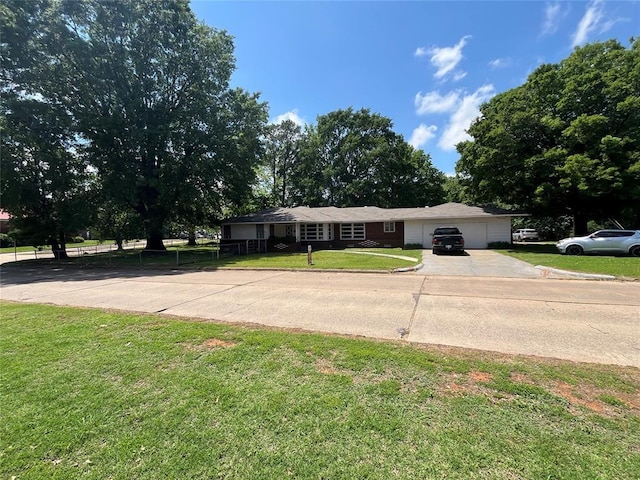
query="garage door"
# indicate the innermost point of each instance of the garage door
(475, 234)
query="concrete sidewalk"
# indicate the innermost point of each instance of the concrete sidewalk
(575, 320)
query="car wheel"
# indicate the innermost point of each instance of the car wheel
(434, 252)
(574, 250)
(635, 251)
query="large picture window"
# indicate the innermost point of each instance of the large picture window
(311, 231)
(352, 231)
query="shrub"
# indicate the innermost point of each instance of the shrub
(499, 245)
(5, 240)
(412, 246)
(77, 239)
(287, 240)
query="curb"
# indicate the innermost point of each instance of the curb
(594, 276)
(407, 269)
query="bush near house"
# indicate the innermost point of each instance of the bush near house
(6, 240)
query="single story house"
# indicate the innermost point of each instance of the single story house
(292, 229)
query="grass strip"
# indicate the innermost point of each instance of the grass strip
(548, 256)
(95, 394)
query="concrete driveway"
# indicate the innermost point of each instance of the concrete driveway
(489, 263)
(478, 263)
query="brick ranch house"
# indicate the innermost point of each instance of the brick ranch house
(292, 229)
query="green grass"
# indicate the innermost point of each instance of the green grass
(70, 246)
(94, 394)
(547, 254)
(204, 257)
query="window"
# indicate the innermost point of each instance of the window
(226, 231)
(311, 231)
(389, 227)
(260, 230)
(290, 230)
(352, 231)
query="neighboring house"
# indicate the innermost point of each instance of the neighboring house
(4, 222)
(332, 227)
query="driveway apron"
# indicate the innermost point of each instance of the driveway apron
(477, 263)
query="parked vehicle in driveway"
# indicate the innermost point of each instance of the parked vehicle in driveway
(525, 234)
(447, 239)
(603, 241)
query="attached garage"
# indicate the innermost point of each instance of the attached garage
(480, 227)
(474, 234)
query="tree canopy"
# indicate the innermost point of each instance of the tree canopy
(354, 158)
(144, 89)
(565, 142)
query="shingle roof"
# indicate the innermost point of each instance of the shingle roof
(368, 214)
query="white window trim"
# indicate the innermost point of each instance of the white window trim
(351, 233)
(391, 227)
(319, 232)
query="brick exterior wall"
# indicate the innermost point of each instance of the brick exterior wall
(375, 238)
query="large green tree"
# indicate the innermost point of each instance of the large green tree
(354, 158)
(147, 88)
(45, 182)
(565, 142)
(282, 152)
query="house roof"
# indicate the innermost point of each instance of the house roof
(369, 214)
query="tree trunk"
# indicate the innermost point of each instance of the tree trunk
(154, 242)
(192, 239)
(59, 248)
(580, 228)
(154, 234)
(119, 241)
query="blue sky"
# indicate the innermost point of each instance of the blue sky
(427, 65)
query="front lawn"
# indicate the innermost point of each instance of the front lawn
(70, 246)
(547, 254)
(93, 394)
(206, 257)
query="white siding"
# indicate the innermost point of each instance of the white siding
(499, 230)
(413, 231)
(478, 233)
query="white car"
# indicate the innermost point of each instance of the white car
(524, 234)
(603, 241)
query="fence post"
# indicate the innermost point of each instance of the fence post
(177, 258)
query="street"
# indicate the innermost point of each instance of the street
(579, 320)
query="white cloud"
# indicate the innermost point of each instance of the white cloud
(467, 110)
(433, 102)
(551, 17)
(422, 135)
(290, 115)
(445, 59)
(499, 63)
(594, 20)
